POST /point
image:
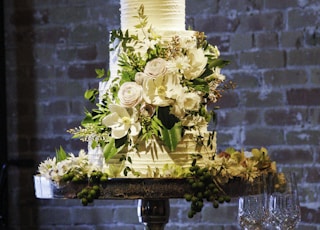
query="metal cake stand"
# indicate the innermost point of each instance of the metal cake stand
(153, 195)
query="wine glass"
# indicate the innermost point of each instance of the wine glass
(252, 209)
(284, 207)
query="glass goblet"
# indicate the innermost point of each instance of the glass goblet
(284, 207)
(252, 209)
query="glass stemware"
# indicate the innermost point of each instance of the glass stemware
(284, 207)
(252, 210)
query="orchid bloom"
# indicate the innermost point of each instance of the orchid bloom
(120, 121)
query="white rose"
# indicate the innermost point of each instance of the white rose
(197, 61)
(191, 101)
(155, 68)
(186, 102)
(130, 94)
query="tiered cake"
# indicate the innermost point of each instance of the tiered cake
(151, 119)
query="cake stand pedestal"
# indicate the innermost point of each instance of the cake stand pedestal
(153, 213)
(153, 194)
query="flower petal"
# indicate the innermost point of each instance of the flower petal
(119, 132)
(111, 120)
(135, 129)
(121, 111)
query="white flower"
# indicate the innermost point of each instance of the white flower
(161, 91)
(218, 75)
(185, 102)
(213, 51)
(154, 91)
(155, 68)
(130, 94)
(178, 111)
(120, 121)
(197, 61)
(179, 64)
(142, 46)
(139, 78)
(46, 166)
(190, 101)
(188, 42)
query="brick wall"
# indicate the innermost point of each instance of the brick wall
(53, 47)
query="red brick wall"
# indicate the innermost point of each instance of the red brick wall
(53, 47)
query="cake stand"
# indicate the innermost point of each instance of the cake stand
(153, 195)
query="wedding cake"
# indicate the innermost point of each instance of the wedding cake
(152, 112)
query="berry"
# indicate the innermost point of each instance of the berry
(84, 201)
(93, 193)
(104, 178)
(188, 197)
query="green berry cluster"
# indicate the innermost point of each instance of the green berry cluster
(97, 177)
(73, 177)
(203, 187)
(92, 190)
(88, 194)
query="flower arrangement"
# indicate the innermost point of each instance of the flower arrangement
(161, 89)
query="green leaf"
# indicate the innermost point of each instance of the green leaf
(100, 73)
(61, 154)
(218, 63)
(90, 95)
(87, 120)
(94, 144)
(200, 85)
(171, 137)
(112, 148)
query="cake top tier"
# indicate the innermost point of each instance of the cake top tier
(162, 14)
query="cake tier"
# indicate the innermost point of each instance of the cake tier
(162, 14)
(154, 158)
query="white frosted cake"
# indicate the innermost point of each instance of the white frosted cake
(152, 115)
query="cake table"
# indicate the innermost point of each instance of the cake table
(153, 194)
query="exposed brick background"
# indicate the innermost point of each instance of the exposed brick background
(53, 47)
